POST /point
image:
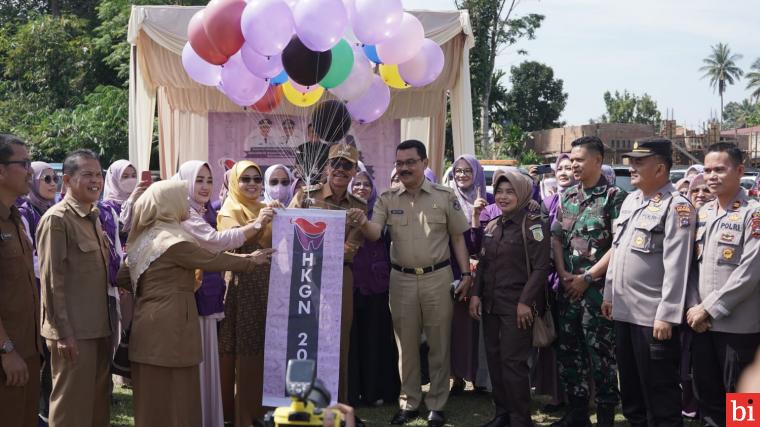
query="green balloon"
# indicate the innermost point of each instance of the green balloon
(342, 62)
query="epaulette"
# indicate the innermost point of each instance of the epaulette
(535, 216)
(311, 188)
(441, 187)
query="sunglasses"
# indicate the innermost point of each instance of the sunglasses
(26, 164)
(248, 179)
(49, 179)
(342, 164)
(275, 181)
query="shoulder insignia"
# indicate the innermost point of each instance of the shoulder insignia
(684, 212)
(756, 225)
(456, 205)
(535, 217)
(737, 204)
(311, 188)
(538, 232)
(6, 236)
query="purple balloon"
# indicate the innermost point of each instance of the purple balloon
(267, 26)
(374, 21)
(320, 24)
(403, 45)
(371, 106)
(265, 67)
(358, 81)
(239, 84)
(425, 67)
(198, 69)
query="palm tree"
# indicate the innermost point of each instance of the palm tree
(722, 70)
(753, 79)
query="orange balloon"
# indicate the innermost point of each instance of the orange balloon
(270, 101)
(222, 24)
(200, 42)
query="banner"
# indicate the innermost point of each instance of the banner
(305, 289)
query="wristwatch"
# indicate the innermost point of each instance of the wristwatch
(466, 274)
(257, 225)
(588, 278)
(7, 347)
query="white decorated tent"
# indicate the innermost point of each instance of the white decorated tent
(157, 78)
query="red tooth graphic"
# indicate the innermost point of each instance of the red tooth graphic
(310, 236)
(310, 228)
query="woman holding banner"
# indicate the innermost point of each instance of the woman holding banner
(241, 337)
(165, 343)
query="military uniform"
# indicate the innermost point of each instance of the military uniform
(502, 281)
(584, 228)
(646, 281)
(420, 228)
(727, 251)
(320, 196)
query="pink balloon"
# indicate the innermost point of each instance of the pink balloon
(320, 24)
(403, 45)
(425, 67)
(303, 89)
(200, 42)
(267, 26)
(372, 105)
(239, 84)
(358, 81)
(222, 25)
(374, 21)
(265, 67)
(198, 69)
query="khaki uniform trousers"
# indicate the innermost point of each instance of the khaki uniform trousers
(346, 318)
(19, 405)
(81, 394)
(422, 303)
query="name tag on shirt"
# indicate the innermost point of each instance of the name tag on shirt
(397, 211)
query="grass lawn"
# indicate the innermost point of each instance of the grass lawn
(466, 410)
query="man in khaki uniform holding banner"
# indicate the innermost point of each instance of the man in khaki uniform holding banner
(422, 217)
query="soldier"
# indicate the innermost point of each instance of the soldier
(645, 288)
(582, 238)
(422, 218)
(334, 194)
(724, 304)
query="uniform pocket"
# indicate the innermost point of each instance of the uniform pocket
(647, 238)
(399, 227)
(87, 246)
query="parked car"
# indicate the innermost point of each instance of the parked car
(623, 177)
(749, 183)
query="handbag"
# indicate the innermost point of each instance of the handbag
(543, 326)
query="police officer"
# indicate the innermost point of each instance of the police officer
(725, 303)
(582, 238)
(334, 194)
(422, 217)
(646, 284)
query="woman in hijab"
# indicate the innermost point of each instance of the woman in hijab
(694, 170)
(217, 204)
(469, 185)
(683, 186)
(209, 298)
(509, 286)
(699, 192)
(241, 336)
(165, 343)
(395, 179)
(277, 180)
(373, 361)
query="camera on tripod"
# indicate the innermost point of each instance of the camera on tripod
(308, 398)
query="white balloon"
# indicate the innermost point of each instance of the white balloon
(198, 69)
(376, 20)
(405, 44)
(267, 26)
(358, 81)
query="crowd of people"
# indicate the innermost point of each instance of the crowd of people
(652, 296)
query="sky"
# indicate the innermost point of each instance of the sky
(652, 46)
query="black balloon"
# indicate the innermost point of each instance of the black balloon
(305, 66)
(331, 120)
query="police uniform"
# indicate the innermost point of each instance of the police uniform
(584, 228)
(320, 196)
(727, 251)
(420, 227)
(646, 281)
(502, 281)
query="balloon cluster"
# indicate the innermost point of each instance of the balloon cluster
(258, 51)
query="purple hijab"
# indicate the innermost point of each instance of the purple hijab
(372, 195)
(467, 196)
(430, 175)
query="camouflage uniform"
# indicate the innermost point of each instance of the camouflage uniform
(584, 225)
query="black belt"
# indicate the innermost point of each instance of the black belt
(421, 270)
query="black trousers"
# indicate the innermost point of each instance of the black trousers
(717, 361)
(649, 376)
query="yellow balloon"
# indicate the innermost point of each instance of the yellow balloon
(301, 99)
(391, 77)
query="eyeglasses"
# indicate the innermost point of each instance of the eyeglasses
(27, 164)
(700, 190)
(49, 179)
(360, 184)
(341, 164)
(462, 171)
(248, 179)
(275, 181)
(408, 163)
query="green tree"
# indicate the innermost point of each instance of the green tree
(626, 107)
(536, 99)
(737, 115)
(496, 28)
(753, 80)
(720, 67)
(647, 111)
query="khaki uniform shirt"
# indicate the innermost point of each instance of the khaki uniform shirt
(728, 257)
(420, 227)
(648, 274)
(73, 254)
(323, 198)
(19, 303)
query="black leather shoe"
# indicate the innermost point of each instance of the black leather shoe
(436, 419)
(498, 421)
(403, 416)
